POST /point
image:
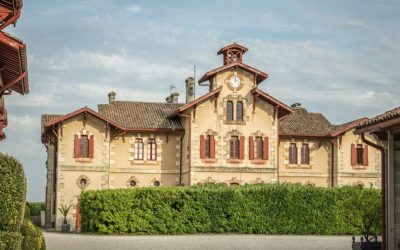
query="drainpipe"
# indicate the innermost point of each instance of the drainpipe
(333, 144)
(180, 160)
(383, 186)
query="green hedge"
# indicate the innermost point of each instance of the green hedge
(33, 238)
(35, 208)
(259, 209)
(12, 190)
(10, 240)
(12, 201)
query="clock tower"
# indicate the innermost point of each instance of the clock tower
(233, 53)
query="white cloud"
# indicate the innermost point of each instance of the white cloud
(134, 8)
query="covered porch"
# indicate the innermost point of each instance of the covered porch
(386, 127)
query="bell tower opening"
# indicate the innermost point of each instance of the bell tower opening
(233, 53)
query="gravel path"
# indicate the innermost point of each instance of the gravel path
(59, 241)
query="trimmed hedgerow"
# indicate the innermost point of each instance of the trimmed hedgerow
(33, 238)
(257, 209)
(10, 240)
(35, 208)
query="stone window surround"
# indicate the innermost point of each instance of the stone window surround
(262, 135)
(355, 142)
(132, 178)
(78, 181)
(145, 139)
(227, 147)
(234, 100)
(299, 144)
(215, 134)
(79, 134)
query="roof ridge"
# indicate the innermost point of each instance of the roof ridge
(163, 103)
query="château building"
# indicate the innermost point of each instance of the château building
(235, 134)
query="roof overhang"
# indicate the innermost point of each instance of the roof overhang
(283, 109)
(195, 102)
(10, 11)
(306, 136)
(349, 127)
(13, 65)
(392, 125)
(259, 75)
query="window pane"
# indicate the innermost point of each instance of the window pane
(234, 149)
(208, 146)
(229, 111)
(360, 157)
(239, 111)
(84, 147)
(293, 153)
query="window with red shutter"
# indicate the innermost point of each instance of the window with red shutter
(241, 148)
(258, 148)
(212, 146)
(266, 148)
(251, 148)
(202, 147)
(234, 147)
(76, 146)
(84, 146)
(360, 154)
(91, 146)
(365, 155)
(353, 155)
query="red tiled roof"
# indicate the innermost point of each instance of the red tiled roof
(197, 101)
(283, 108)
(340, 129)
(233, 45)
(13, 63)
(142, 115)
(303, 123)
(388, 115)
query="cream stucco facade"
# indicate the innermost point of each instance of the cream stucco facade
(178, 159)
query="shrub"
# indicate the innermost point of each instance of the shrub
(36, 207)
(11, 240)
(12, 190)
(27, 214)
(12, 201)
(259, 209)
(33, 238)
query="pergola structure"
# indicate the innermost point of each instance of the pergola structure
(13, 62)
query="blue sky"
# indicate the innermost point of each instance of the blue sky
(340, 58)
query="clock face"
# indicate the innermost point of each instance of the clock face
(234, 81)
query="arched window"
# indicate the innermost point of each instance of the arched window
(293, 153)
(239, 111)
(305, 154)
(229, 111)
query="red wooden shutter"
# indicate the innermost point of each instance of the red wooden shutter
(202, 147)
(76, 147)
(212, 147)
(365, 155)
(251, 148)
(266, 148)
(353, 155)
(241, 148)
(91, 146)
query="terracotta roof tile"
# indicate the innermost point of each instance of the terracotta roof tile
(46, 118)
(141, 115)
(303, 123)
(388, 115)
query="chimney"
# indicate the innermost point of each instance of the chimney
(296, 105)
(189, 89)
(173, 98)
(111, 97)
